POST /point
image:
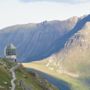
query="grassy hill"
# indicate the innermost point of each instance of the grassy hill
(25, 80)
(80, 83)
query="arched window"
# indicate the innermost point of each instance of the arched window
(10, 50)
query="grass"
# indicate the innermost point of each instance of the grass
(29, 78)
(75, 83)
(5, 78)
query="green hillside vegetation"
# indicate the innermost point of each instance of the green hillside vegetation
(25, 80)
(5, 77)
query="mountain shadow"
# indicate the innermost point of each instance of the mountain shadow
(38, 41)
(60, 84)
(60, 43)
(34, 40)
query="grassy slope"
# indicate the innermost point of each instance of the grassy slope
(4, 77)
(29, 79)
(75, 83)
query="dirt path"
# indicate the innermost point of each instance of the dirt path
(12, 70)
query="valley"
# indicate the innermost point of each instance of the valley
(61, 80)
(72, 63)
(57, 50)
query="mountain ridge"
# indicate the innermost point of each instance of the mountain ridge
(37, 38)
(74, 54)
(46, 37)
(72, 61)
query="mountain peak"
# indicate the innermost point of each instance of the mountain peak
(87, 25)
(74, 18)
(41, 40)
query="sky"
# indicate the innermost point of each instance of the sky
(34, 11)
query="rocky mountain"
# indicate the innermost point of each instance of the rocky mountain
(71, 62)
(35, 41)
(38, 41)
(75, 51)
(75, 56)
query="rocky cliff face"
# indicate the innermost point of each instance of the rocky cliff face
(75, 56)
(38, 41)
(35, 41)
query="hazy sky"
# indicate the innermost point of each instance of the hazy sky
(27, 11)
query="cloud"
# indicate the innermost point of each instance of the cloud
(65, 1)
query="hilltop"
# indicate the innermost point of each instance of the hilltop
(24, 79)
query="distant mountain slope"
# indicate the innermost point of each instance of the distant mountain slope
(75, 56)
(33, 41)
(60, 43)
(72, 61)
